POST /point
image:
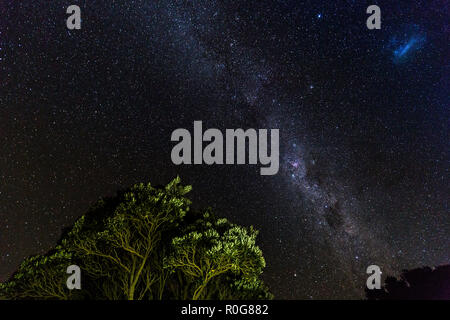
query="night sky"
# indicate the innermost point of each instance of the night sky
(363, 118)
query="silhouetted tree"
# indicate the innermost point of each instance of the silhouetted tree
(418, 284)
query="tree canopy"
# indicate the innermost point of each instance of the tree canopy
(426, 283)
(146, 243)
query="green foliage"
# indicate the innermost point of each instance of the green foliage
(145, 243)
(40, 277)
(218, 260)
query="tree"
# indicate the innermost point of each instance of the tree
(122, 250)
(40, 277)
(146, 243)
(211, 248)
(418, 284)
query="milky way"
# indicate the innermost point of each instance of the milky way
(363, 118)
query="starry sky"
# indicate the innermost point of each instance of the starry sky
(363, 118)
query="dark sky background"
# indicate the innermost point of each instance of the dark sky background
(363, 118)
